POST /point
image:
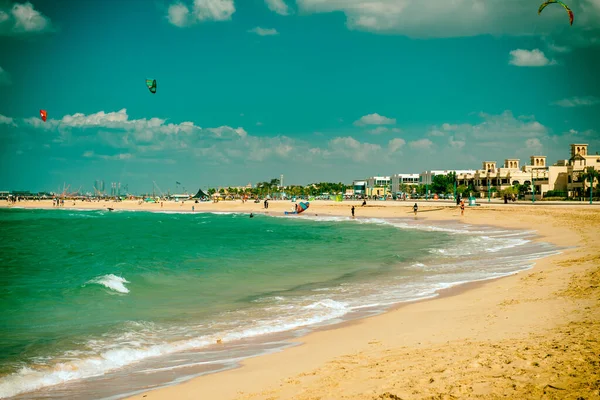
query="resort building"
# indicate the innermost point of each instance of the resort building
(491, 179)
(399, 181)
(563, 176)
(579, 162)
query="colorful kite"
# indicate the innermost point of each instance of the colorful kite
(43, 115)
(571, 16)
(151, 83)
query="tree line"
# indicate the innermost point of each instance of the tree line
(273, 187)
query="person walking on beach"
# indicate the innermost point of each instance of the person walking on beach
(415, 209)
(462, 207)
(352, 211)
(193, 208)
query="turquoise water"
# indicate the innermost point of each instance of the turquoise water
(87, 293)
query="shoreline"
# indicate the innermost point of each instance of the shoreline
(321, 363)
(248, 367)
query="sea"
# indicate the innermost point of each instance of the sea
(104, 305)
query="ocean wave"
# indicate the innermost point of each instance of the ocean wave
(480, 245)
(112, 282)
(446, 227)
(28, 379)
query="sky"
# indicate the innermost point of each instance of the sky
(316, 90)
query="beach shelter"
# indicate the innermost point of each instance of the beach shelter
(200, 195)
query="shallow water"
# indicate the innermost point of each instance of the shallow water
(96, 304)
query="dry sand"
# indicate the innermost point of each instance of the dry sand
(534, 335)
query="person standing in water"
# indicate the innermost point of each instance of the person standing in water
(415, 209)
(352, 211)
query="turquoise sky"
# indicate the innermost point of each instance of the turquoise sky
(316, 90)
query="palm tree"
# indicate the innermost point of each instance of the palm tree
(588, 177)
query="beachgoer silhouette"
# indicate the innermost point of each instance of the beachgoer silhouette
(352, 211)
(416, 208)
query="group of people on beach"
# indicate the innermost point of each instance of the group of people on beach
(56, 202)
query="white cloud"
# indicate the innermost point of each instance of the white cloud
(180, 15)
(263, 31)
(23, 19)
(436, 132)
(578, 101)
(505, 126)
(534, 145)
(396, 144)
(215, 10)
(117, 136)
(4, 77)
(113, 120)
(527, 58)
(352, 149)
(557, 49)
(6, 121)
(382, 129)
(375, 119)
(421, 144)
(457, 144)
(449, 127)
(443, 18)
(227, 132)
(278, 6)
(494, 135)
(119, 156)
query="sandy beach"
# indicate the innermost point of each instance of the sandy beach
(529, 335)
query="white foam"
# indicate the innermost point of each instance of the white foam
(112, 282)
(27, 379)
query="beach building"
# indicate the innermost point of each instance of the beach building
(577, 165)
(377, 186)
(491, 179)
(563, 176)
(399, 181)
(359, 187)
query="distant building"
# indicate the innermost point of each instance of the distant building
(378, 186)
(359, 187)
(578, 163)
(400, 180)
(538, 176)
